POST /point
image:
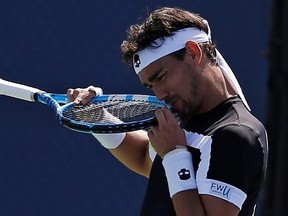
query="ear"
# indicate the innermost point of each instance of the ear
(194, 50)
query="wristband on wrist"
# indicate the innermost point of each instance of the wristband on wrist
(179, 171)
(110, 141)
(113, 140)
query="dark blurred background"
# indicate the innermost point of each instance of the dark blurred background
(46, 169)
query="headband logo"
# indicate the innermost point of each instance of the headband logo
(137, 61)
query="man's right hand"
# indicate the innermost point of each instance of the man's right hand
(83, 95)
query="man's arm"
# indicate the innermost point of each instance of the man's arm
(133, 152)
(188, 202)
(169, 141)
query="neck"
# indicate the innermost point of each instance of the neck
(216, 88)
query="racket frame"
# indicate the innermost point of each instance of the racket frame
(56, 101)
(115, 127)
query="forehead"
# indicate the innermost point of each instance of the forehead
(162, 64)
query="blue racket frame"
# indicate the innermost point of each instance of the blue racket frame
(54, 101)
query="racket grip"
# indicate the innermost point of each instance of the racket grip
(19, 91)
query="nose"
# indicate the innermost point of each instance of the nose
(160, 92)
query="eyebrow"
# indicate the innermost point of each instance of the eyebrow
(152, 77)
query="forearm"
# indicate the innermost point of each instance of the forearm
(133, 152)
(182, 184)
(188, 202)
(131, 149)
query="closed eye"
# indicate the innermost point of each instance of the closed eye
(148, 86)
(161, 77)
(158, 76)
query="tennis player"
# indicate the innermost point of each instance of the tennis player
(212, 162)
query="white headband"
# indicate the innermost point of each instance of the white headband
(162, 47)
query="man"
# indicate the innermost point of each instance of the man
(213, 161)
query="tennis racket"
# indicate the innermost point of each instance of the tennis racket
(112, 113)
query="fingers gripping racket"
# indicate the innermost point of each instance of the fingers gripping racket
(103, 114)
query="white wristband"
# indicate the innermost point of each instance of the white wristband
(110, 141)
(179, 170)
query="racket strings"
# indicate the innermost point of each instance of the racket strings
(112, 112)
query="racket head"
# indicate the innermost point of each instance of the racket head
(112, 113)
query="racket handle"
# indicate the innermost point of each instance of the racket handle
(16, 90)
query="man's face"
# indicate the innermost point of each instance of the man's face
(177, 82)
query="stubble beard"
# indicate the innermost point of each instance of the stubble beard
(191, 105)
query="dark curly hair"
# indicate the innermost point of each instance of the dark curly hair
(160, 23)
